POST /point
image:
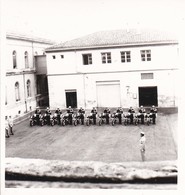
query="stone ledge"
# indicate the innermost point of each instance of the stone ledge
(90, 171)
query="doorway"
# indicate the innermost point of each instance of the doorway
(71, 98)
(148, 96)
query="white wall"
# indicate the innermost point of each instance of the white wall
(163, 57)
(85, 84)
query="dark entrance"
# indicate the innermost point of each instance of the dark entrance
(148, 96)
(71, 98)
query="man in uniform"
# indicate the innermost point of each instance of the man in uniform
(142, 113)
(48, 114)
(70, 112)
(6, 127)
(131, 112)
(94, 113)
(119, 113)
(107, 114)
(38, 113)
(153, 112)
(10, 124)
(142, 145)
(58, 113)
(81, 112)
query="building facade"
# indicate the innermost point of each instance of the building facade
(112, 69)
(21, 95)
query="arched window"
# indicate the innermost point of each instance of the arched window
(26, 59)
(14, 55)
(28, 84)
(17, 92)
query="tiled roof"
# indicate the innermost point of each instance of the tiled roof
(116, 38)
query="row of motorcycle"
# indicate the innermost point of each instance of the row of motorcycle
(93, 119)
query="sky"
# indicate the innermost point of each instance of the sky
(63, 20)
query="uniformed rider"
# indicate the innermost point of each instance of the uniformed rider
(81, 112)
(107, 114)
(48, 114)
(142, 112)
(119, 114)
(131, 112)
(38, 113)
(153, 112)
(58, 113)
(70, 112)
(94, 113)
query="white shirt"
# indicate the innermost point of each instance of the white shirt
(142, 143)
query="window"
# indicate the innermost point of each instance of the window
(14, 55)
(106, 57)
(17, 92)
(28, 85)
(54, 57)
(125, 56)
(145, 55)
(87, 59)
(62, 56)
(26, 59)
(147, 75)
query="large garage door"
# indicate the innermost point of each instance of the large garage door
(108, 94)
(148, 96)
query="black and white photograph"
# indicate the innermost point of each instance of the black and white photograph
(90, 96)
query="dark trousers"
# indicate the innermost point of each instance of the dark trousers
(131, 118)
(142, 118)
(107, 118)
(48, 119)
(58, 119)
(70, 119)
(94, 118)
(37, 119)
(82, 118)
(119, 117)
(11, 130)
(153, 117)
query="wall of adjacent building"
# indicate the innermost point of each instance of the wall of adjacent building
(21, 74)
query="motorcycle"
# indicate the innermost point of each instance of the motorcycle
(36, 121)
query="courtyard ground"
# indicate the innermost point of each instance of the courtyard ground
(105, 143)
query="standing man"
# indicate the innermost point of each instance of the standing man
(81, 112)
(131, 112)
(142, 113)
(10, 124)
(107, 114)
(142, 145)
(153, 112)
(58, 112)
(6, 127)
(38, 113)
(70, 112)
(119, 114)
(48, 114)
(94, 113)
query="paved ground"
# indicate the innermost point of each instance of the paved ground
(95, 143)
